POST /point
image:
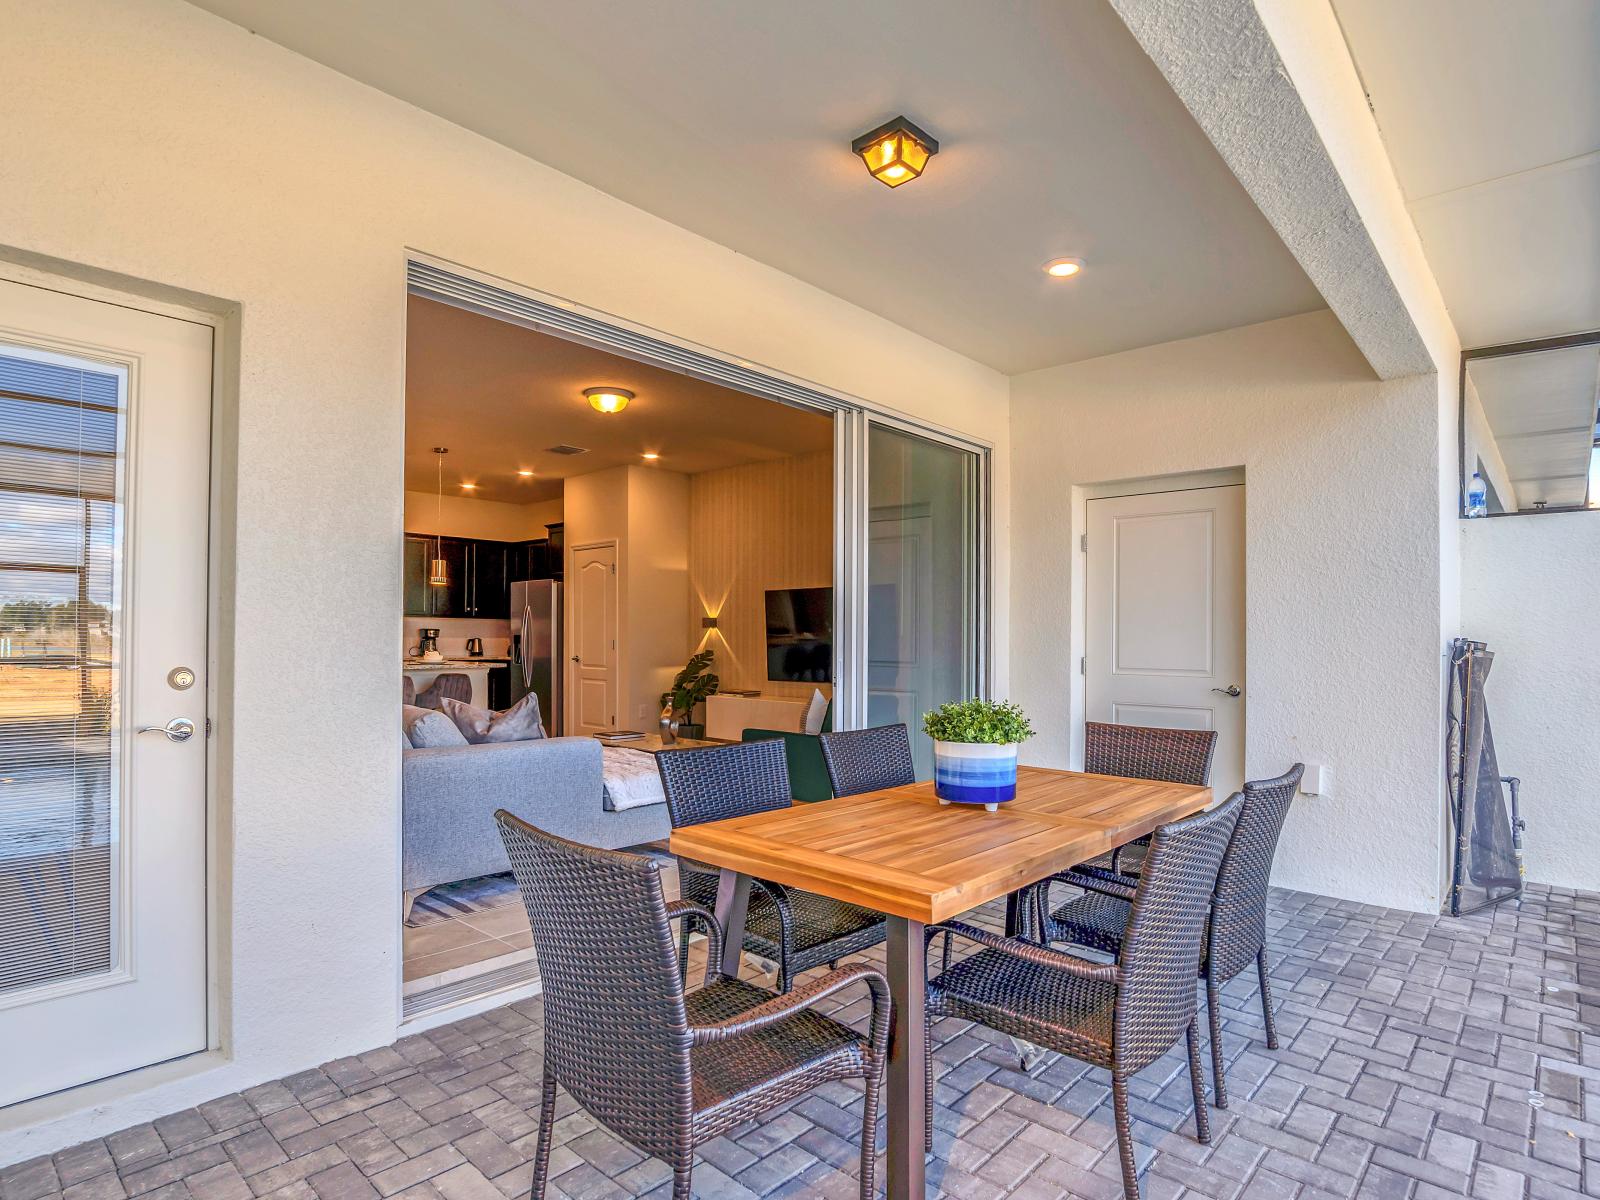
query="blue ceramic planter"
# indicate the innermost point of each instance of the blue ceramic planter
(974, 773)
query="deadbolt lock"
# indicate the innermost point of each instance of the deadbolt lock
(180, 679)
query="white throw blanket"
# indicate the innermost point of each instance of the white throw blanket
(631, 778)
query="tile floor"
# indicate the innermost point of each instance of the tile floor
(448, 950)
(1422, 1058)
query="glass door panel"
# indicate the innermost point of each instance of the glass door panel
(60, 518)
(922, 580)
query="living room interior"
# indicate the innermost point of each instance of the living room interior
(592, 523)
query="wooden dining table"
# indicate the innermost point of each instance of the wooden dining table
(904, 854)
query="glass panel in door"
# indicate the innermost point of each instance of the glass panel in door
(61, 433)
(922, 580)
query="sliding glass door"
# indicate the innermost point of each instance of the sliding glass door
(922, 593)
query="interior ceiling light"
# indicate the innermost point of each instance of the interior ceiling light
(608, 399)
(651, 455)
(895, 152)
(525, 474)
(1063, 268)
(438, 569)
(469, 487)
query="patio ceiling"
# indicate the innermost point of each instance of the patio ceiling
(1059, 137)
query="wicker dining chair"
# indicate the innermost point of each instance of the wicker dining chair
(1123, 1015)
(663, 1069)
(1236, 934)
(796, 929)
(868, 760)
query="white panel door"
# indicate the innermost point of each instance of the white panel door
(593, 704)
(1165, 633)
(105, 436)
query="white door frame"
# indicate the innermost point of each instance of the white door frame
(1079, 600)
(218, 916)
(569, 644)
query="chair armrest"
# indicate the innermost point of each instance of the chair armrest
(1028, 952)
(1098, 879)
(779, 1008)
(689, 910)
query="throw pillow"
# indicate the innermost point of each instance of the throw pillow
(519, 723)
(428, 727)
(815, 712)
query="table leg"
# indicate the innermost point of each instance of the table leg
(908, 1047)
(733, 898)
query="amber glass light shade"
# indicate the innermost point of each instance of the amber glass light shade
(608, 399)
(895, 153)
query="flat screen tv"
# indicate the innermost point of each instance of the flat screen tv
(800, 635)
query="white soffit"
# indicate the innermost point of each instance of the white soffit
(1490, 111)
(1542, 409)
(733, 118)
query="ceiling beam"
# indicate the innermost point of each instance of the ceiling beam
(1222, 61)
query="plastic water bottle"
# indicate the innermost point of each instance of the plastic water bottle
(1477, 497)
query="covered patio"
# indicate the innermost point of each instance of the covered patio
(1421, 1057)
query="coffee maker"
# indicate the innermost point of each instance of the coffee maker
(427, 643)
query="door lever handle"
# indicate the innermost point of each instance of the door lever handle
(1231, 690)
(179, 729)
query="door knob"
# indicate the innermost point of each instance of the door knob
(179, 729)
(1231, 690)
(576, 659)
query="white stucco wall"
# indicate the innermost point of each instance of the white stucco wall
(1342, 575)
(1529, 588)
(148, 139)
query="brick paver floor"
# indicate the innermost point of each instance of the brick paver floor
(1421, 1057)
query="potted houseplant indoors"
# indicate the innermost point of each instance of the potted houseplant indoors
(690, 687)
(975, 750)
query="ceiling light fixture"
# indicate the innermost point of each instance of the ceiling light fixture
(608, 399)
(525, 474)
(1063, 268)
(469, 487)
(438, 569)
(895, 152)
(650, 455)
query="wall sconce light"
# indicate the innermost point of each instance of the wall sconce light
(608, 399)
(895, 152)
(708, 622)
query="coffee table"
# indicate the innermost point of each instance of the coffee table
(651, 743)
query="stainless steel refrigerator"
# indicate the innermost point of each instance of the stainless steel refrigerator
(536, 647)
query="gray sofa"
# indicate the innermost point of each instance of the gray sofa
(450, 794)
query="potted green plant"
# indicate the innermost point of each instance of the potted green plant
(689, 688)
(975, 750)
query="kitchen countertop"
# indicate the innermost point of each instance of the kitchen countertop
(416, 664)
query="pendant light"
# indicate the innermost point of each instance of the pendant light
(438, 571)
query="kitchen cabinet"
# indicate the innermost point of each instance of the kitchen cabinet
(418, 551)
(488, 594)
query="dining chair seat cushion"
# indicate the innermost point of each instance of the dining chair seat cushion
(817, 919)
(1037, 1003)
(789, 1058)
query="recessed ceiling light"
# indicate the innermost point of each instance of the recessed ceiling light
(895, 152)
(651, 455)
(608, 399)
(1063, 268)
(525, 474)
(469, 487)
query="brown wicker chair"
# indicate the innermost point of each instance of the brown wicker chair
(1236, 935)
(1121, 1016)
(664, 1070)
(796, 929)
(868, 760)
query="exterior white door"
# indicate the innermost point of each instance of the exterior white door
(1165, 631)
(105, 430)
(593, 705)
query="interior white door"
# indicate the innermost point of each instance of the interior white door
(105, 416)
(1165, 631)
(593, 705)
